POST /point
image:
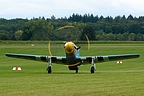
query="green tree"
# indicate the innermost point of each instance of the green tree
(111, 36)
(4, 35)
(36, 30)
(89, 31)
(119, 37)
(132, 37)
(126, 36)
(18, 34)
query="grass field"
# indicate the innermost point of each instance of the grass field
(109, 79)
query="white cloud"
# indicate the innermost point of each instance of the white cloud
(61, 8)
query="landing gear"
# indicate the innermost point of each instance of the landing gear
(73, 68)
(92, 69)
(49, 68)
(77, 69)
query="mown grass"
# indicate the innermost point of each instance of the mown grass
(109, 79)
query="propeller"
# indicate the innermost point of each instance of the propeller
(49, 44)
(88, 41)
(65, 27)
(49, 49)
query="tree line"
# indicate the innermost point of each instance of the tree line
(120, 28)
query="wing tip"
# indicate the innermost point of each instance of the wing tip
(135, 55)
(138, 55)
(7, 54)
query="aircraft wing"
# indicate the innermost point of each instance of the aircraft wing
(85, 59)
(98, 59)
(55, 59)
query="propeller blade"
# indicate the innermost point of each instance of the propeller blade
(49, 49)
(64, 27)
(88, 41)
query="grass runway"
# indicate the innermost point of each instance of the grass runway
(109, 79)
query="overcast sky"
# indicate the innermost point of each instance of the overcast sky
(60, 8)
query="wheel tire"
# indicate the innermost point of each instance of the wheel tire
(76, 71)
(49, 69)
(92, 69)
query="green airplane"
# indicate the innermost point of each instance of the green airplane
(73, 59)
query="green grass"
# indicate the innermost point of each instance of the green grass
(109, 79)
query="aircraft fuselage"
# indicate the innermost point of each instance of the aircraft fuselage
(72, 51)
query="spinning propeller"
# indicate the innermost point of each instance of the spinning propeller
(65, 27)
(88, 41)
(49, 49)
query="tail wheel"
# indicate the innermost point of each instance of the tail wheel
(77, 69)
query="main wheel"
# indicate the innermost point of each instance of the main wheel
(49, 69)
(92, 69)
(76, 71)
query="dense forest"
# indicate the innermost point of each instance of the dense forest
(119, 28)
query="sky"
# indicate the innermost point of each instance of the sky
(11, 9)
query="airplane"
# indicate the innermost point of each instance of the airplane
(72, 58)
